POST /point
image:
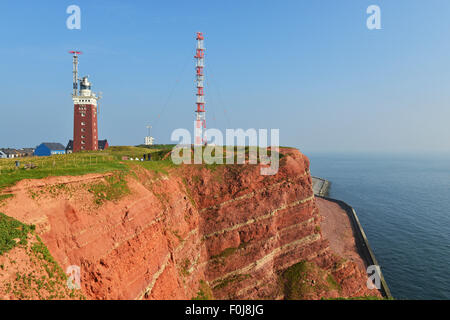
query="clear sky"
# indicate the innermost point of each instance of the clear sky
(308, 67)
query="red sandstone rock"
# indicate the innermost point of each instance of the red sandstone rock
(229, 226)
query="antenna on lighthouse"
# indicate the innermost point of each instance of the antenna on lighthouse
(200, 122)
(75, 70)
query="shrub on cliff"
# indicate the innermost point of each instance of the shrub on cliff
(112, 189)
(204, 292)
(38, 275)
(12, 233)
(305, 280)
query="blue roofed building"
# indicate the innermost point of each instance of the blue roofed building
(49, 148)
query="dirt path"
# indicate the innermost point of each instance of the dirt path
(337, 228)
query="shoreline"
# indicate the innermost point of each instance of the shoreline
(321, 189)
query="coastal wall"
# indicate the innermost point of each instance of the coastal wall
(362, 243)
(320, 186)
(321, 189)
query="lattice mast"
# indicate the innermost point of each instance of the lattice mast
(75, 71)
(200, 122)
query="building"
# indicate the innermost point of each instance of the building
(49, 148)
(102, 145)
(19, 153)
(85, 134)
(69, 148)
(16, 153)
(149, 141)
(11, 153)
(26, 152)
(85, 128)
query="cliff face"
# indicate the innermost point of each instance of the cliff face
(224, 230)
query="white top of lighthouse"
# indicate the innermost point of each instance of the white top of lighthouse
(85, 96)
(85, 87)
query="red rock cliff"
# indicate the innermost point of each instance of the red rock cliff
(226, 228)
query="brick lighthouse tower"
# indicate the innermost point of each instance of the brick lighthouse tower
(85, 129)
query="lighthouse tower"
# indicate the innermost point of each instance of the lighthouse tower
(85, 129)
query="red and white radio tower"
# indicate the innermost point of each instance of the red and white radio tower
(200, 122)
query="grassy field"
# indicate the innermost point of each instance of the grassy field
(72, 164)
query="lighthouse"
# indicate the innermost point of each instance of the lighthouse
(85, 128)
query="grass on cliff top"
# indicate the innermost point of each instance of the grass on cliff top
(158, 166)
(81, 163)
(114, 188)
(242, 151)
(71, 164)
(57, 165)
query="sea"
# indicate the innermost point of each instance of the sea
(403, 203)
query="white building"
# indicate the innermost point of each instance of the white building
(149, 141)
(10, 153)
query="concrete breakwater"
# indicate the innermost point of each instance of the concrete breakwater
(321, 188)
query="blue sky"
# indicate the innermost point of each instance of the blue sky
(308, 67)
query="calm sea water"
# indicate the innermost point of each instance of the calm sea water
(403, 203)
